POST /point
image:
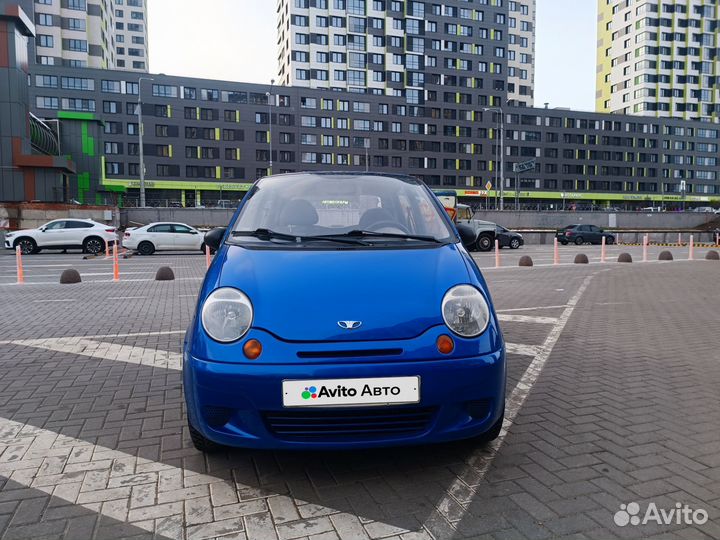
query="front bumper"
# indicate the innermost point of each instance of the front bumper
(240, 404)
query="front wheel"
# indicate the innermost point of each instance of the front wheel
(564, 242)
(484, 243)
(26, 245)
(609, 240)
(202, 443)
(579, 241)
(146, 248)
(514, 243)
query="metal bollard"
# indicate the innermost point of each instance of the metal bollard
(497, 253)
(556, 252)
(691, 250)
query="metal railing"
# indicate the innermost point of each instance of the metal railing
(43, 139)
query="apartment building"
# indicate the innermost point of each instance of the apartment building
(659, 58)
(410, 49)
(131, 35)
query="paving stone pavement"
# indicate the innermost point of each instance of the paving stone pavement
(93, 442)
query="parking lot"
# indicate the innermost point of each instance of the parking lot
(613, 399)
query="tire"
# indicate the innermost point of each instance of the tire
(564, 242)
(93, 245)
(484, 243)
(28, 246)
(609, 240)
(492, 433)
(146, 248)
(514, 243)
(579, 241)
(200, 442)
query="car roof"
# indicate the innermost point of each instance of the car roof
(168, 223)
(344, 174)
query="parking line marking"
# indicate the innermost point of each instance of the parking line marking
(481, 461)
(107, 351)
(530, 308)
(125, 297)
(527, 318)
(519, 348)
(54, 300)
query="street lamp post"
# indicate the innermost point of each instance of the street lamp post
(270, 95)
(502, 153)
(140, 137)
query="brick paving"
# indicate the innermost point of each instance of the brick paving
(93, 442)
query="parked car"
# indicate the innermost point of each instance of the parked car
(652, 209)
(704, 209)
(583, 234)
(507, 238)
(85, 234)
(163, 237)
(342, 311)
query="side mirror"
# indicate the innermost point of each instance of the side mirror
(193, 232)
(467, 235)
(214, 237)
(42, 229)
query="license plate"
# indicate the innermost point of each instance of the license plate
(334, 392)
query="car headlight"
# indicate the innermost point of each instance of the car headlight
(465, 311)
(227, 314)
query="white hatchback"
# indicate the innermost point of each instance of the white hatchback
(85, 234)
(163, 237)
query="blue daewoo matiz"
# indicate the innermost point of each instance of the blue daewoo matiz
(342, 311)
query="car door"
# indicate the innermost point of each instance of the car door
(596, 233)
(162, 236)
(75, 231)
(186, 237)
(52, 234)
(502, 235)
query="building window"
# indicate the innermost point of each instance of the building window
(79, 45)
(43, 102)
(164, 90)
(45, 41)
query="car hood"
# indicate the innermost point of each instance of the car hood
(302, 295)
(21, 231)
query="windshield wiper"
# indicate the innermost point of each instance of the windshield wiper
(357, 233)
(268, 234)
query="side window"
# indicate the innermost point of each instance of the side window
(161, 228)
(77, 225)
(584, 228)
(55, 225)
(182, 229)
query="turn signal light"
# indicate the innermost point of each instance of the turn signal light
(252, 349)
(445, 344)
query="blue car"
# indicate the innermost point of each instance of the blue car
(342, 311)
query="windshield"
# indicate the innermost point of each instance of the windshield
(321, 205)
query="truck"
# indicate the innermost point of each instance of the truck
(485, 231)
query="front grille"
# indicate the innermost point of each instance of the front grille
(355, 353)
(348, 424)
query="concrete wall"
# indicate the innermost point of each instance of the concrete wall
(197, 217)
(623, 220)
(659, 237)
(32, 215)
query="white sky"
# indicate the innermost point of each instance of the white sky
(236, 40)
